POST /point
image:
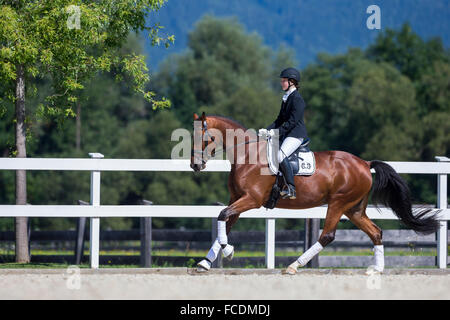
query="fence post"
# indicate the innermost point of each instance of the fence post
(442, 204)
(29, 235)
(95, 221)
(145, 226)
(270, 243)
(312, 229)
(79, 241)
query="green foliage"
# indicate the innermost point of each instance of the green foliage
(224, 71)
(71, 42)
(407, 51)
(308, 27)
(368, 102)
(389, 102)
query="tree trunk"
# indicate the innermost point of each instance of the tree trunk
(78, 128)
(22, 252)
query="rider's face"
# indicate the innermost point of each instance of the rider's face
(284, 83)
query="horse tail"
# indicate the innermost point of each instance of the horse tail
(390, 190)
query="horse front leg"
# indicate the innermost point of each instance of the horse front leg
(226, 219)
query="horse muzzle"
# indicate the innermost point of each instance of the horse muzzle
(197, 167)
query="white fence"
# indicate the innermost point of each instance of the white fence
(96, 211)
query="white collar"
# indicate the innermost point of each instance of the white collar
(286, 95)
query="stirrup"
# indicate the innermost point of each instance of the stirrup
(288, 193)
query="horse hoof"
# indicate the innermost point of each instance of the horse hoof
(200, 269)
(230, 255)
(290, 271)
(373, 270)
(203, 266)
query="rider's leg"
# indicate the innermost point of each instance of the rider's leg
(289, 190)
(288, 146)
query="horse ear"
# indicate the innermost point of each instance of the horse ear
(195, 116)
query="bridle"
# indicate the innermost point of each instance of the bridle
(195, 153)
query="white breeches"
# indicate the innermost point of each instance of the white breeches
(288, 147)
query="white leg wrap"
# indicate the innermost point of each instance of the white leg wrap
(222, 232)
(309, 254)
(379, 257)
(214, 251)
(227, 250)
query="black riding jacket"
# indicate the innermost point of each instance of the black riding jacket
(290, 119)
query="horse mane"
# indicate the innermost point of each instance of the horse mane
(229, 120)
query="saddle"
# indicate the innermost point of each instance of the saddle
(302, 162)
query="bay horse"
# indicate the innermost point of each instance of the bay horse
(341, 180)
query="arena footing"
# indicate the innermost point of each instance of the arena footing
(227, 271)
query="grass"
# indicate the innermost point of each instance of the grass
(238, 253)
(15, 265)
(194, 254)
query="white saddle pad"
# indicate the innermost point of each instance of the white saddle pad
(306, 165)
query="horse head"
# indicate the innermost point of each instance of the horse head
(202, 139)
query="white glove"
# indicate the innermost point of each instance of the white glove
(262, 132)
(271, 132)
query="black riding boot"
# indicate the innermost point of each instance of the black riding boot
(285, 168)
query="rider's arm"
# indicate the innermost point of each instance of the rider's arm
(296, 114)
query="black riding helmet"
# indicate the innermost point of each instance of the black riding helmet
(290, 73)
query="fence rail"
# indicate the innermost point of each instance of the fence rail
(201, 239)
(353, 237)
(95, 211)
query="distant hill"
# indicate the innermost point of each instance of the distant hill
(308, 26)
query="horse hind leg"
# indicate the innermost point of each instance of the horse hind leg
(360, 219)
(334, 213)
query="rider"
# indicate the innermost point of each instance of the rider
(292, 130)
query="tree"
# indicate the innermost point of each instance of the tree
(353, 103)
(407, 51)
(427, 65)
(225, 70)
(434, 91)
(71, 43)
(382, 105)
